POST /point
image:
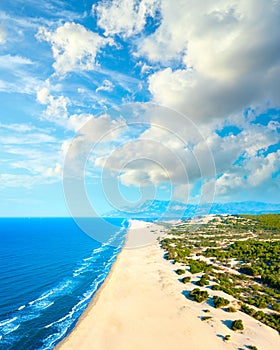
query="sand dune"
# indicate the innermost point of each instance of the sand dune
(142, 306)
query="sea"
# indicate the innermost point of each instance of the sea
(49, 271)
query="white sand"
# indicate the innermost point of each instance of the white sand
(141, 306)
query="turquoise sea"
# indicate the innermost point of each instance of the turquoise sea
(49, 271)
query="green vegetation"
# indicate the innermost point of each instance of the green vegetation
(244, 259)
(220, 302)
(176, 249)
(230, 309)
(265, 221)
(237, 325)
(259, 259)
(204, 281)
(271, 320)
(180, 271)
(227, 337)
(197, 266)
(206, 318)
(185, 279)
(199, 295)
(252, 347)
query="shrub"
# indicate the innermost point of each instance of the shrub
(204, 281)
(198, 266)
(216, 287)
(230, 309)
(205, 318)
(220, 302)
(186, 279)
(237, 325)
(252, 347)
(199, 295)
(227, 337)
(180, 271)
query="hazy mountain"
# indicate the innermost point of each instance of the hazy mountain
(177, 210)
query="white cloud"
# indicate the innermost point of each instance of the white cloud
(263, 167)
(107, 85)
(3, 35)
(17, 127)
(124, 17)
(24, 134)
(29, 155)
(229, 183)
(56, 171)
(57, 111)
(169, 149)
(43, 95)
(77, 121)
(182, 193)
(94, 137)
(57, 107)
(17, 75)
(221, 65)
(14, 62)
(74, 47)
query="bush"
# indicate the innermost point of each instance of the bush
(198, 266)
(227, 337)
(216, 287)
(186, 279)
(230, 309)
(204, 281)
(180, 271)
(206, 318)
(199, 295)
(220, 302)
(237, 325)
(252, 347)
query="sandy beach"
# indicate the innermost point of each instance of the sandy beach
(142, 306)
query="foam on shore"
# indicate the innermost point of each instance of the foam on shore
(142, 305)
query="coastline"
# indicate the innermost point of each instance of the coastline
(141, 303)
(96, 296)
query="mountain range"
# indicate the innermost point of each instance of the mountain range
(177, 210)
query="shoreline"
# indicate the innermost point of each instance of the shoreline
(141, 303)
(96, 296)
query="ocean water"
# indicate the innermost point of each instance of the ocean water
(49, 271)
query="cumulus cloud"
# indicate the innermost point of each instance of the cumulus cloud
(74, 47)
(124, 17)
(262, 168)
(43, 95)
(56, 171)
(107, 85)
(57, 111)
(169, 149)
(228, 52)
(257, 174)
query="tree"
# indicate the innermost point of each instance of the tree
(220, 302)
(237, 325)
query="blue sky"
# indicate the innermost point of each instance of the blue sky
(137, 100)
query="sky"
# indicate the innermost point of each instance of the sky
(106, 104)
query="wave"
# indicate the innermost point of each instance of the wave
(9, 328)
(5, 322)
(21, 307)
(78, 289)
(63, 325)
(61, 286)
